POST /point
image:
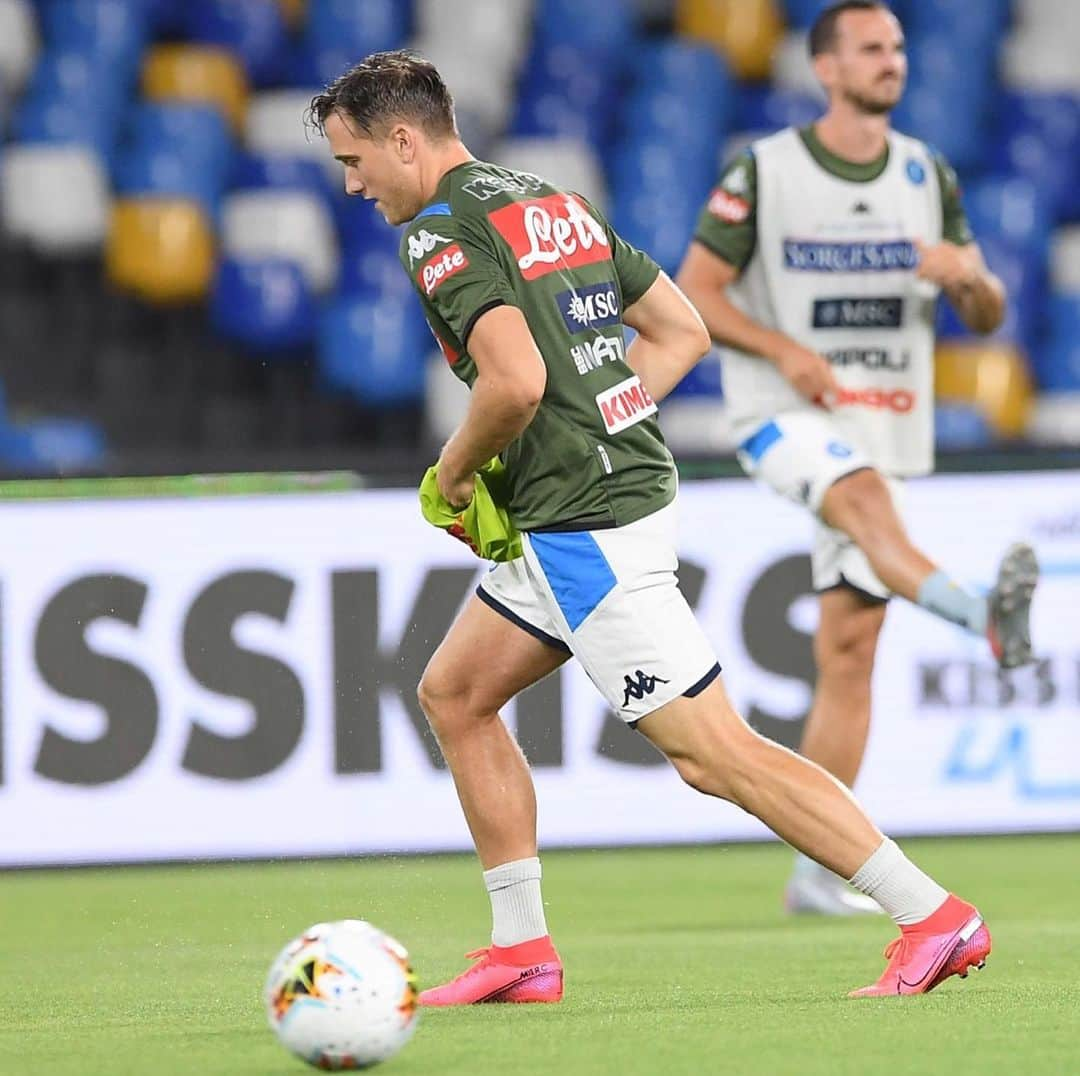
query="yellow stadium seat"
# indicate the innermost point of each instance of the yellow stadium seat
(200, 74)
(745, 31)
(161, 249)
(993, 378)
(294, 11)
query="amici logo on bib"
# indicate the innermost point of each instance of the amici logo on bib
(861, 256)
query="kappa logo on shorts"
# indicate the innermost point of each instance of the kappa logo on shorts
(639, 685)
(445, 264)
(551, 234)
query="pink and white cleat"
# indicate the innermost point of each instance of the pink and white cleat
(529, 972)
(949, 942)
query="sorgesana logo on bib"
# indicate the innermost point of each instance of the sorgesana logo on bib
(591, 307)
(861, 256)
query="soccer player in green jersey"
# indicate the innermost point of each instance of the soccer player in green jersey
(816, 264)
(527, 289)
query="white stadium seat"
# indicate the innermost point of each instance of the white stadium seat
(1055, 419)
(1041, 58)
(18, 43)
(54, 197)
(1065, 259)
(791, 68)
(446, 399)
(275, 125)
(283, 224)
(563, 161)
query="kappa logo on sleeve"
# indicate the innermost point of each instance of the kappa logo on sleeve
(424, 242)
(728, 207)
(440, 268)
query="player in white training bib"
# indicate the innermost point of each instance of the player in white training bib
(817, 264)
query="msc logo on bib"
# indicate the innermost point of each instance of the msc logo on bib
(592, 307)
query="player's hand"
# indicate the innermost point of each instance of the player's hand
(457, 489)
(810, 374)
(947, 265)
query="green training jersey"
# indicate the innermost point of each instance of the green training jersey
(593, 455)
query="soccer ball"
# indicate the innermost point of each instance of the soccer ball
(342, 996)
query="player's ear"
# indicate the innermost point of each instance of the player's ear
(403, 142)
(824, 64)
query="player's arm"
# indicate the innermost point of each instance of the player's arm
(460, 281)
(671, 337)
(956, 264)
(705, 278)
(722, 247)
(510, 382)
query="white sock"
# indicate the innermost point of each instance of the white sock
(517, 909)
(902, 890)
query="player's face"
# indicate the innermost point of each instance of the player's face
(868, 65)
(376, 168)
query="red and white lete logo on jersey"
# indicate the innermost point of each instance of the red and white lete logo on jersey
(445, 264)
(625, 404)
(547, 234)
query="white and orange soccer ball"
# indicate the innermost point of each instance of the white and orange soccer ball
(342, 996)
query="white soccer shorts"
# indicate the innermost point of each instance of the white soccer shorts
(800, 455)
(610, 598)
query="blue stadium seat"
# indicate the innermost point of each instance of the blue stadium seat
(53, 445)
(661, 222)
(677, 62)
(761, 108)
(932, 62)
(59, 118)
(112, 30)
(967, 21)
(1011, 209)
(659, 165)
(600, 29)
(1037, 135)
(176, 149)
(565, 92)
(375, 347)
(960, 428)
(254, 30)
(928, 111)
(705, 379)
(689, 120)
(258, 170)
(1057, 361)
(265, 305)
(358, 28)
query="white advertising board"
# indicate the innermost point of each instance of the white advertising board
(236, 677)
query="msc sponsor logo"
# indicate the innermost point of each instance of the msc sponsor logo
(484, 187)
(872, 358)
(884, 312)
(898, 401)
(424, 242)
(444, 265)
(625, 404)
(592, 307)
(550, 234)
(728, 207)
(592, 354)
(859, 256)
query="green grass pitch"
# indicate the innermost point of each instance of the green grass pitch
(678, 961)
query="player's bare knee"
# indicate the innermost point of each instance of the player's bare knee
(442, 697)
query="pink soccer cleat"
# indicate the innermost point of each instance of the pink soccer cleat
(949, 942)
(531, 971)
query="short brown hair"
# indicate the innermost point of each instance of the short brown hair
(384, 87)
(823, 32)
